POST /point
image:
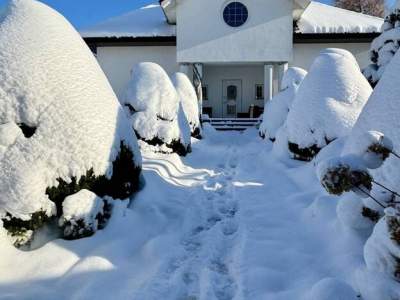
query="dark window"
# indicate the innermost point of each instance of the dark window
(259, 92)
(235, 14)
(204, 90)
(231, 92)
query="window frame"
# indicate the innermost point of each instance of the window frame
(230, 16)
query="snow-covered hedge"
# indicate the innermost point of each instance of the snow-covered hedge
(327, 104)
(384, 47)
(83, 214)
(190, 103)
(153, 106)
(276, 110)
(61, 126)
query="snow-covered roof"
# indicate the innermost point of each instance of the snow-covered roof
(150, 21)
(323, 18)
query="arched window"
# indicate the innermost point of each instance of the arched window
(235, 14)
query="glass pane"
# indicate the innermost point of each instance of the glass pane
(232, 92)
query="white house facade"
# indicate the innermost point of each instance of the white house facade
(237, 49)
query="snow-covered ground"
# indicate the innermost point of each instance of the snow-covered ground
(229, 221)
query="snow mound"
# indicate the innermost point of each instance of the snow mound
(188, 98)
(147, 21)
(323, 18)
(81, 212)
(277, 109)
(332, 289)
(70, 122)
(350, 211)
(152, 103)
(328, 101)
(382, 250)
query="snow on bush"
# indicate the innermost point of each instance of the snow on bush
(384, 47)
(83, 214)
(344, 174)
(382, 250)
(189, 101)
(381, 117)
(327, 104)
(352, 212)
(276, 110)
(72, 131)
(152, 103)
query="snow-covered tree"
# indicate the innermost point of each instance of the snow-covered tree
(327, 104)
(369, 7)
(276, 110)
(153, 106)
(384, 47)
(190, 105)
(62, 128)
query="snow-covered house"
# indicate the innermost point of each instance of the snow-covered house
(239, 48)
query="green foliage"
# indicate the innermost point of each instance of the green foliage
(123, 183)
(176, 145)
(371, 214)
(21, 230)
(304, 154)
(380, 150)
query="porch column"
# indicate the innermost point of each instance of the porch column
(268, 82)
(197, 82)
(184, 68)
(283, 67)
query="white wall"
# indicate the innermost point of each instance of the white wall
(304, 54)
(203, 36)
(117, 62)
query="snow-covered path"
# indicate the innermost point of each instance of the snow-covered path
(229, 221)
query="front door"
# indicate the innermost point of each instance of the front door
(231, 98)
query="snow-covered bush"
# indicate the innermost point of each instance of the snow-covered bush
(327, 104)
(384, 47)
(276, 110)
(190, 104)
(83, 214)
(152, 104)
(62, 128)
(382, 250)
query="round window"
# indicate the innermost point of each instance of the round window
(235, 14)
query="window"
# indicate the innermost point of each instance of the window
(204, 90)
(235, 14)
(259, 92)
(231, 92)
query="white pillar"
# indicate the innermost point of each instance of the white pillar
(282, 70)
(198, 83)
(184, 68)
(268, 82)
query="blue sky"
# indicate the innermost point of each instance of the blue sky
(82, 13)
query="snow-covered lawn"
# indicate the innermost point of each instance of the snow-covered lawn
(229, 221)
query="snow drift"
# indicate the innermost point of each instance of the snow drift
(327, 104)
(153, 106)
(61, 126)
(276, 110)
(188, 98)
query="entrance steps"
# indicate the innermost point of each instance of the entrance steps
(237, 124)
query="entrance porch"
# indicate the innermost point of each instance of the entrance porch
(235, 91)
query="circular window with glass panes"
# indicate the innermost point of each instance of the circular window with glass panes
(235, 14)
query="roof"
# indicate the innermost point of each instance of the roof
(317, 20)
(148, 21)
(322, 18)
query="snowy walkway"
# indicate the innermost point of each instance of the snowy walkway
(228, 222)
